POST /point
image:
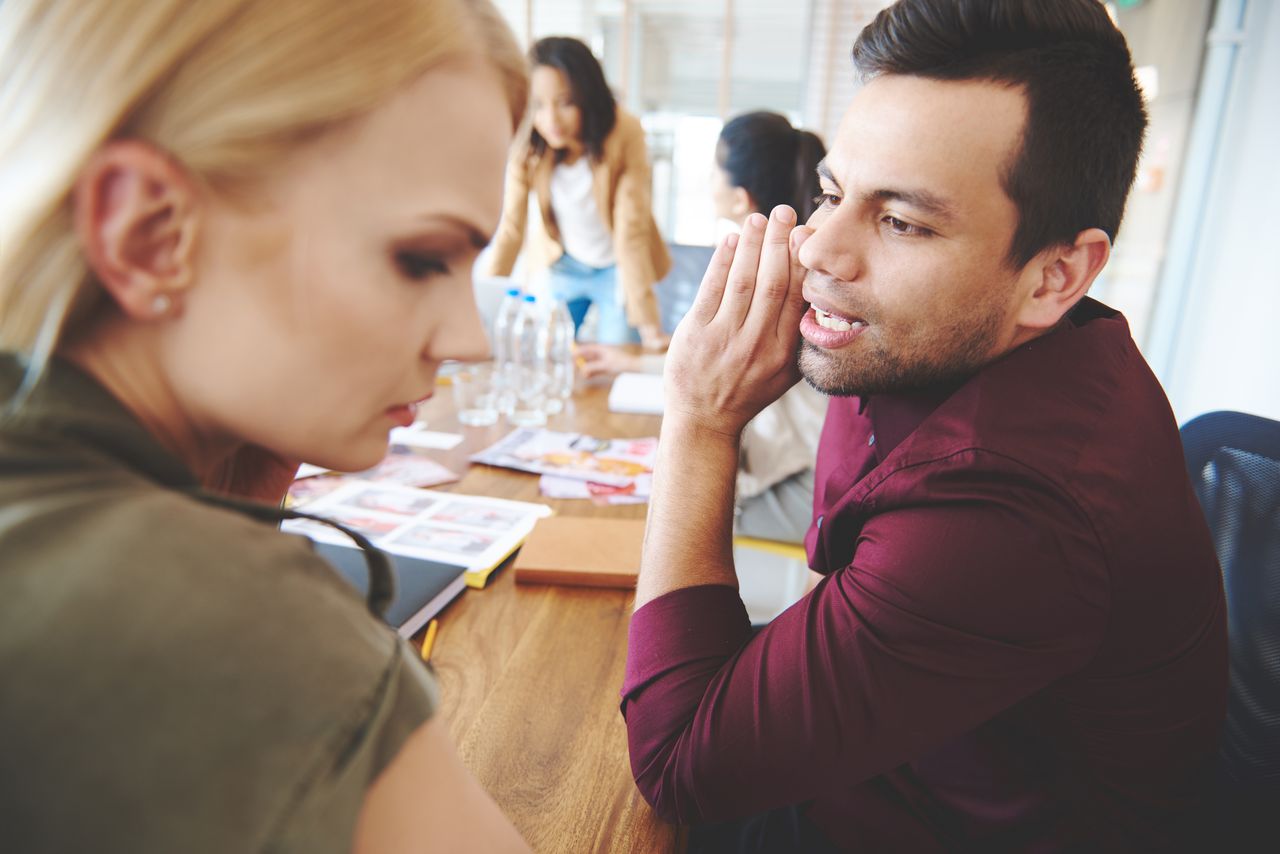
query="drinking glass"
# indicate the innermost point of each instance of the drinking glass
(475, 395)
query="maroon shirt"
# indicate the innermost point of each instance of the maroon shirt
(1019, 644)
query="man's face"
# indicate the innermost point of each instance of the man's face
(908, 279)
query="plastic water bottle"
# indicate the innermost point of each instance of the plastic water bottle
(529, 365)
(503, 378)
(559, 357)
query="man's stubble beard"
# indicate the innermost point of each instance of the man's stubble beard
(950, 354)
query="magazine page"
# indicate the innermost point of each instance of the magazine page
(470, 531)
(402, 465)
(615, 462)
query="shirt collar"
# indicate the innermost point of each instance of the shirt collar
(69, 403)
(896, 415)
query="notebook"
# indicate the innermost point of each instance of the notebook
(423, 587)
(593, 552)
(582, 552)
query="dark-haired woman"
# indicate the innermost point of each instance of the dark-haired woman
(761, 162)
(586, 161)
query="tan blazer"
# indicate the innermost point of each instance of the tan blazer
(623, 195)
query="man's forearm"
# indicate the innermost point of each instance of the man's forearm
(689, 537)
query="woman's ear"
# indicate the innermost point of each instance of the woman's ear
(742, 205)
(1062, 276)
(137, 217)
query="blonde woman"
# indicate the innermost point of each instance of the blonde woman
(585, 161)
(234, 234)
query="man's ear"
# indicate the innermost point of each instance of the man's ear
(1061, 277)
(136, 216)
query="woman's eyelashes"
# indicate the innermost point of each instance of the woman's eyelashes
(418, 266)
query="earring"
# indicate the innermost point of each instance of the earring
(160, 305)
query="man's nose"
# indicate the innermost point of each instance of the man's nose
(835, 248)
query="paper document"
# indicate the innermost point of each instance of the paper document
(421, 438)
(636, 394)
(402, 465)
(636, 492)
(465, 530)
(615, 462)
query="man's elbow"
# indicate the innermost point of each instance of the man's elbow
(666, 789)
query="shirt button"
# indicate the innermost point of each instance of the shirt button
(871, 440)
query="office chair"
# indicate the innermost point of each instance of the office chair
(677, 289)
(1234, 463)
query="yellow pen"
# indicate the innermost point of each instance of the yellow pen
(429, 639)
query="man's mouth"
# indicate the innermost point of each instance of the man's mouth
(835, 322)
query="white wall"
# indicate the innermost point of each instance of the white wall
(1225, 341)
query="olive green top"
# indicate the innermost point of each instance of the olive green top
(176, 676)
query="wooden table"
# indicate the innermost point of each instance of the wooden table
(530, 674)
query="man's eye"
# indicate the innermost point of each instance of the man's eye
(897, 226)
(823, 200)
(416, 266)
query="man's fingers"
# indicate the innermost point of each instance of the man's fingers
(711, 291)
(795, 305)
(773, 277)
(742, 274)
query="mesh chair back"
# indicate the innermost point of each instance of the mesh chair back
(1234, 463)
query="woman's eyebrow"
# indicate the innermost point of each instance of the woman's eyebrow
(477, 237)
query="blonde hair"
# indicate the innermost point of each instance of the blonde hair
(227, 87)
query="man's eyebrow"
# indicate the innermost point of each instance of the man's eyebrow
(824, 172)
(921, 200)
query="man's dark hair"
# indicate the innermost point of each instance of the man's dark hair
(774, 162)
(1085, 116)
(591, 94)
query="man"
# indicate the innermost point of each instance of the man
(1019, 643)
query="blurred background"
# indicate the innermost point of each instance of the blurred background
(1194, 269)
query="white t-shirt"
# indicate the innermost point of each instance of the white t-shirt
(573, 200)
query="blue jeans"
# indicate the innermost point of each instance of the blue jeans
(581, 286)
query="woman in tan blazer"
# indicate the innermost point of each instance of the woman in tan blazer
(585, 158)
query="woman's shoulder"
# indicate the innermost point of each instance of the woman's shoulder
(110, 550)
(626, 127)
(206, 655)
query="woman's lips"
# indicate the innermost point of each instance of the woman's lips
(405, 414)
(829, 331)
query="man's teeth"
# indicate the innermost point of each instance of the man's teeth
(827, 321)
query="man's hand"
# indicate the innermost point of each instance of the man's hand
(733, 354)
(735, 351)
